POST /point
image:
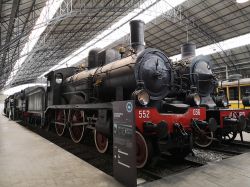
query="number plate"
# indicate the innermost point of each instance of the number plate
(196, 112)
(144, 114)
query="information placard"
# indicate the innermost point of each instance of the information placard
(124, 150)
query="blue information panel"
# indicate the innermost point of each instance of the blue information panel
(124, 148)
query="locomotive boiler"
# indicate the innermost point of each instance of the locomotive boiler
(149, 70)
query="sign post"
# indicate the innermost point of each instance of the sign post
(124, 148)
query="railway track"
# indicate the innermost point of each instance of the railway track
(241, 144)
(231, 149)
(226, 150)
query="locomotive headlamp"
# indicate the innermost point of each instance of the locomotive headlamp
(221, 101)
(197, 99)
(193, 99)
(142, 97)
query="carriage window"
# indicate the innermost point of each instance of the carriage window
(244, 89)
(58, 78)
(233, 93)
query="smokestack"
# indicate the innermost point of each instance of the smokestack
(93, 58)
(137, 35)
(188, 50)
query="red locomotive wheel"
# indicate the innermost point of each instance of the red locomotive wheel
(141, 150)
(60, 122)
(204, 138)
(101, 142)
(77, 128)
(76, 133)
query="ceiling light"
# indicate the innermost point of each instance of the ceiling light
(241, 1)
(225, 45)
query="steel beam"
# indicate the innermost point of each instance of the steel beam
(13, 15)
(24, 26)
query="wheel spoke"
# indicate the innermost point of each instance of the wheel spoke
(59, 123)
(76, 127)
(204, 138)
(77, 124)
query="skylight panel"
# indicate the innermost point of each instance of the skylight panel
(45, 17)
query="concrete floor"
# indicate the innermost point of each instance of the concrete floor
(26, 159)
(246, 137)
(232, 172)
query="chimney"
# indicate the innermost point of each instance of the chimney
(137, 35)
(188, 50)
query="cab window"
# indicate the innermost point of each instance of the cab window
(244, 89)
(224, 91)
(58, 78)
(233, 93)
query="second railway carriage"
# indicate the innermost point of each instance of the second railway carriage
(18, 105)
(34, 105)
(235, 90)
(237, 93)
(6, 109)
(9, 105)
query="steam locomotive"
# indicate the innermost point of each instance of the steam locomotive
(223, 122)
(166, 111)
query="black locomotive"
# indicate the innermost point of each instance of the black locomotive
(223, 122)
(78, 100)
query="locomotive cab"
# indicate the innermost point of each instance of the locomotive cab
(55, 81)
